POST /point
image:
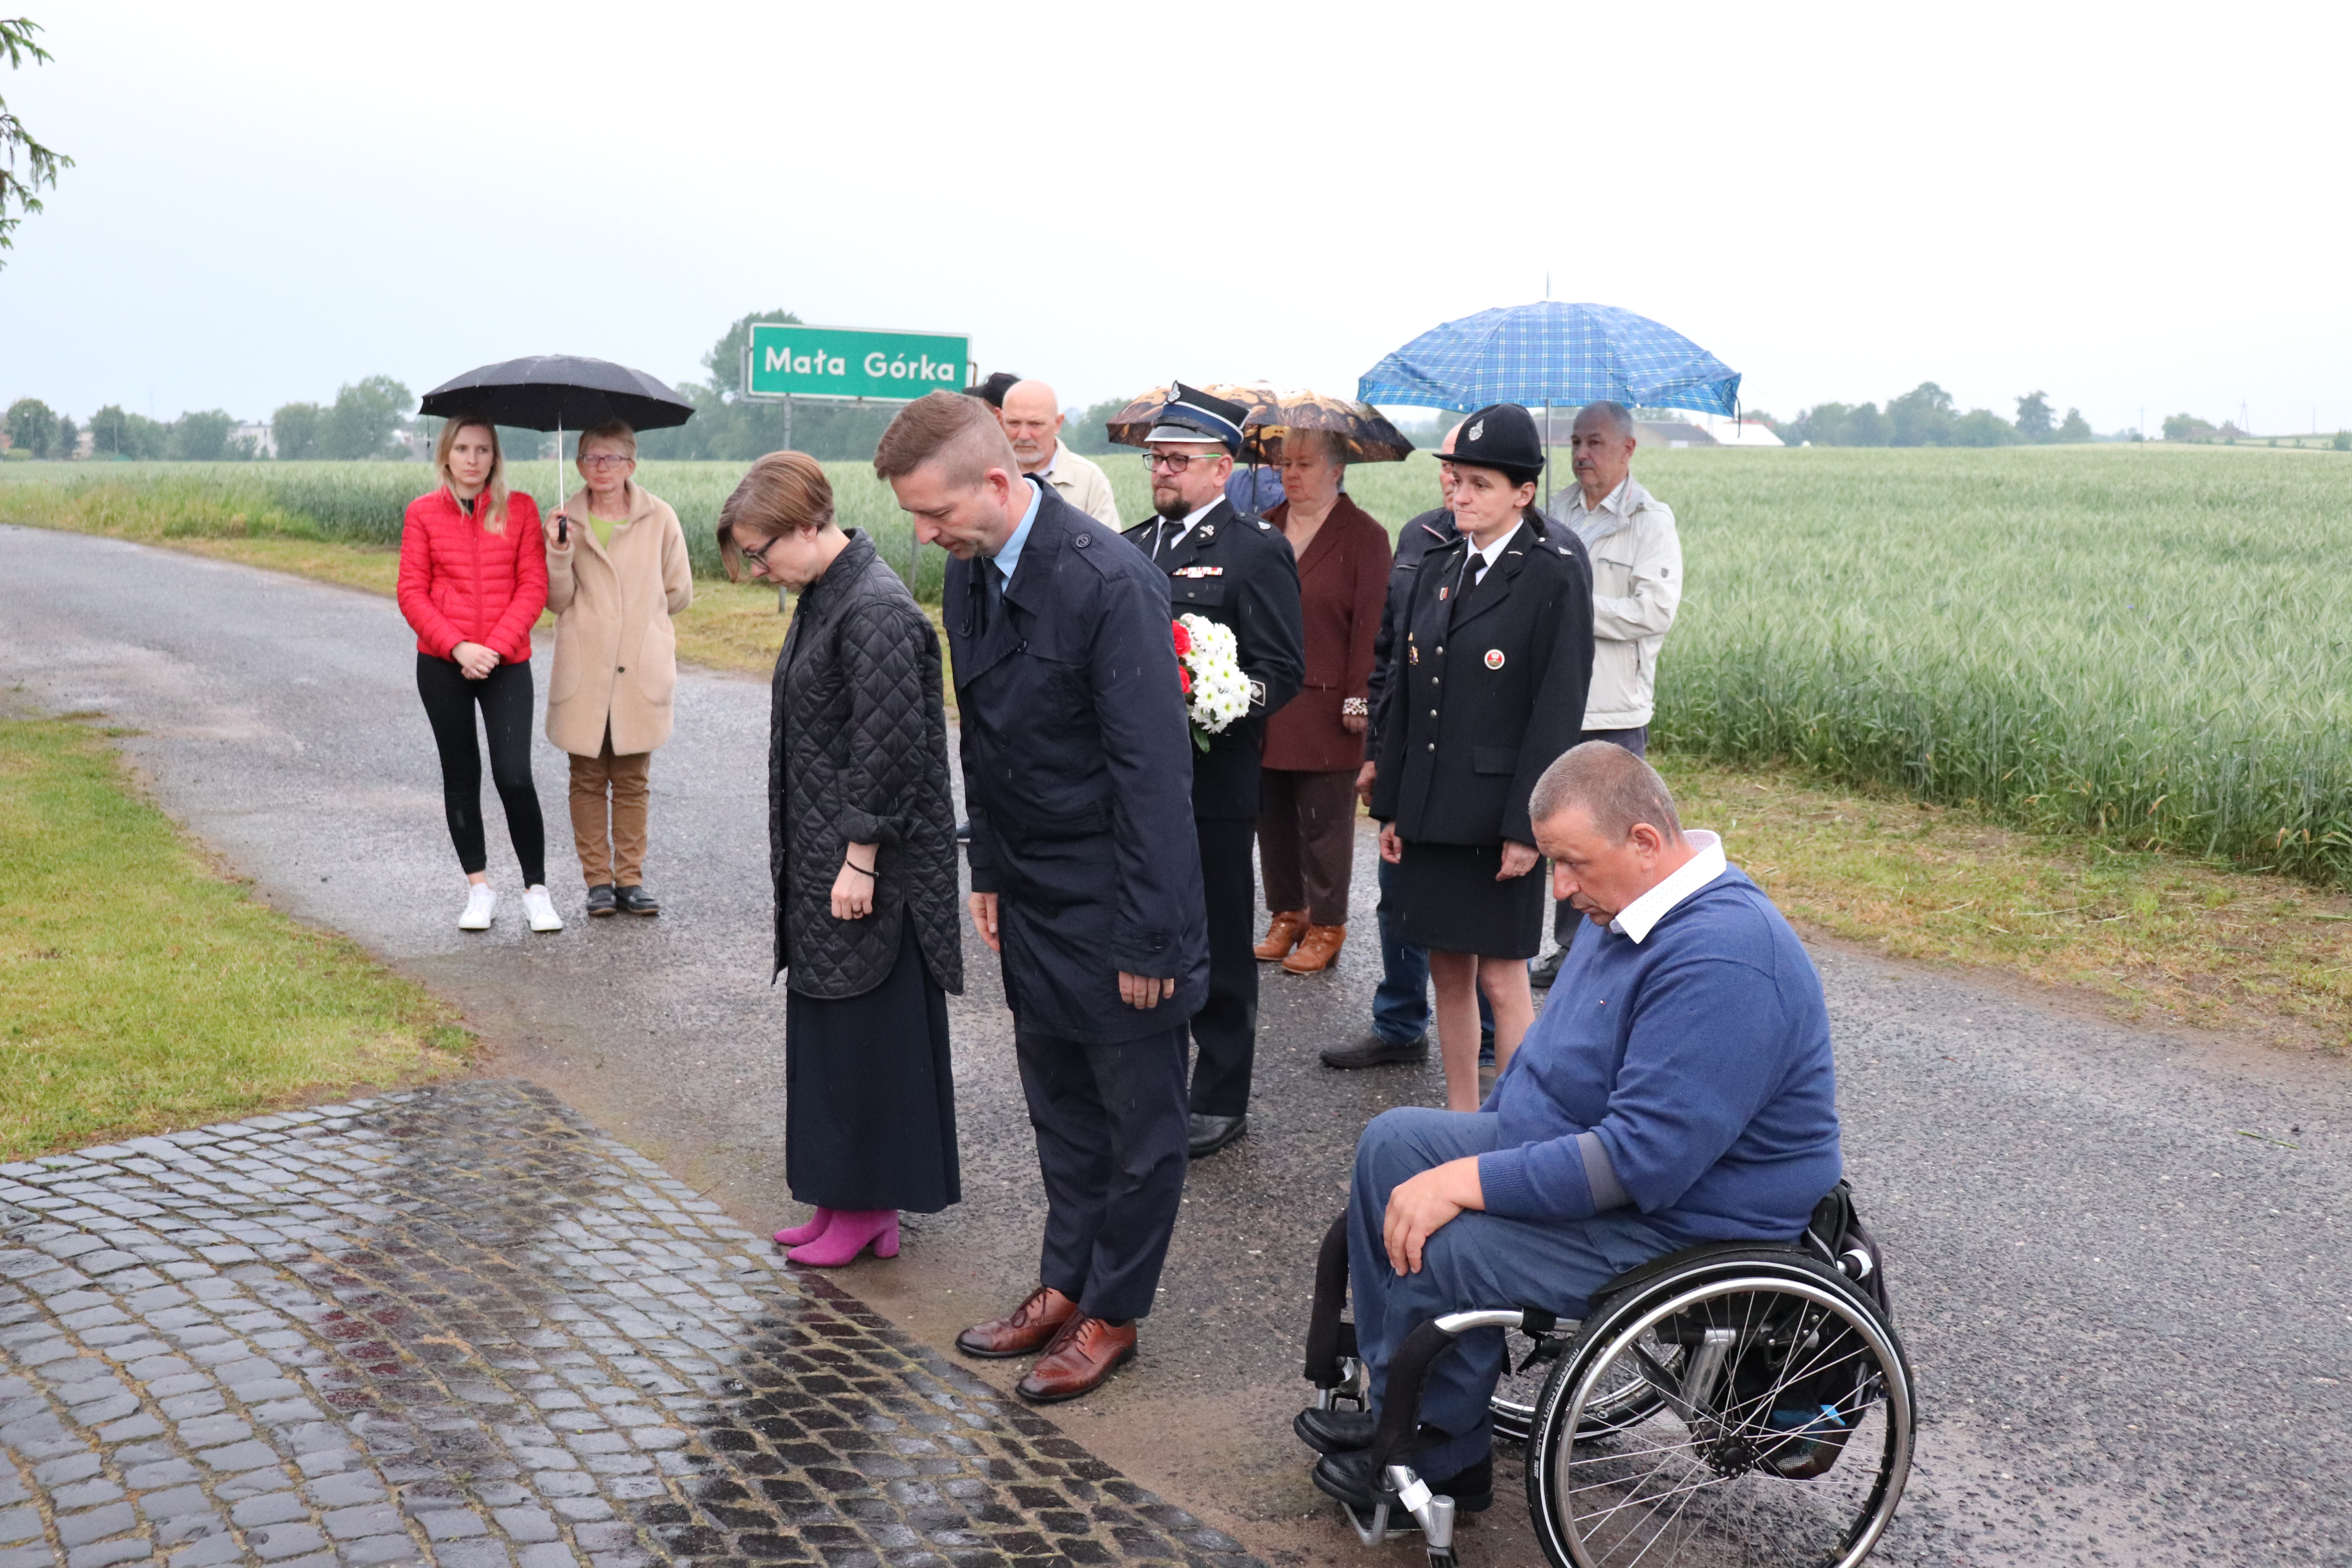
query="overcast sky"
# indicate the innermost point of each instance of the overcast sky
(2133, 207)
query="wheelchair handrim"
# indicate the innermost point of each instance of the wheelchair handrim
(1627, 1327)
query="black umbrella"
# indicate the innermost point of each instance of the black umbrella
(558, 392)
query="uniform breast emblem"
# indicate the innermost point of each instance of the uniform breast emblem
(1494, 659)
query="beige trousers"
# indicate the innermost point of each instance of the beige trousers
(608, 815)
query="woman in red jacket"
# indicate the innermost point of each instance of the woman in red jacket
(473, 578)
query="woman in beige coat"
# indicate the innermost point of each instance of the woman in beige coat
(616, 571)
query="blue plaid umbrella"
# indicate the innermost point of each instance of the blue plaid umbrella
(1553, 353)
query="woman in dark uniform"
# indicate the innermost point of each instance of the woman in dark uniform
(861, 835)
(1489, 681)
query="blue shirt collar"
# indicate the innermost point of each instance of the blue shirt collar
(1008, 558)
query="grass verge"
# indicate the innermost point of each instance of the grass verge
(145, 991)
(2148, 936)
(2153, 937)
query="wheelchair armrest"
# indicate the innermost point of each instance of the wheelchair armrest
(1328, 1339)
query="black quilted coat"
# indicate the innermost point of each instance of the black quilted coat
(857, 753)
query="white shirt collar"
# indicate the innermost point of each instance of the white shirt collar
(1638, 918)
(1046, 473)
(1192, 517)
(1613, 501)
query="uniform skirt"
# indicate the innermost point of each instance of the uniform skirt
(1444, 897)
(869, 1113)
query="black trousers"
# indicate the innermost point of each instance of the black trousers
(1564, 918)
(1111, 1136)
(505, 698)
(1225, 1031)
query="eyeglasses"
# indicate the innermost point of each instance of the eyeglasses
(606, 460)
(759, 557)
(1176, 464)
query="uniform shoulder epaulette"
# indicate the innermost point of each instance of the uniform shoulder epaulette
(1088, 549)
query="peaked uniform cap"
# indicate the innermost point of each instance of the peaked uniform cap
(1500, 435)
(1192, 414)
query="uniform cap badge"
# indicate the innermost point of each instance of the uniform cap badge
(1494, 659)
(1478, 429)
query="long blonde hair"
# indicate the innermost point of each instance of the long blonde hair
(493, 517)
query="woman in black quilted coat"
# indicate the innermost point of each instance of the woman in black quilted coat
(861, 834)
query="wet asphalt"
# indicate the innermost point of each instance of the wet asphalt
(2119, 1257)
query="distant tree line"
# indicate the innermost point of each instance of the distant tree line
(727, 425)
(1926, 417)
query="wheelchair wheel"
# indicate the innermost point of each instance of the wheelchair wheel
(1781, 1434)
(1519, 1394)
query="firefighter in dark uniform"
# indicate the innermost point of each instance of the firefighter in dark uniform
(1486, 686)
(1236, 569)
(1076, 768)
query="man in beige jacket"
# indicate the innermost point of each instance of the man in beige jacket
(617, 571)
(1034, 420)
(1637, 585)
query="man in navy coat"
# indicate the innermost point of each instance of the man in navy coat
(1236, 569)
(1085, 875)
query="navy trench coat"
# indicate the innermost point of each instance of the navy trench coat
(1077, 768)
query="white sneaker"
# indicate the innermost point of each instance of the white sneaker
(542, 910)
(481, 904)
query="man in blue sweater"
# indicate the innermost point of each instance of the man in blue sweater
(1678, 1088)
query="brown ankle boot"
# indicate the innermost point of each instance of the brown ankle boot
(1283, 935)
(1317, 951)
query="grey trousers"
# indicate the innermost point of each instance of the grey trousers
(1476, 1260)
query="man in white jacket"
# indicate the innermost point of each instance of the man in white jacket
(1033, 419)
(1637, 584)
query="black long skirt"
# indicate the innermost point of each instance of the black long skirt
(869, 1116)
(1444, 897)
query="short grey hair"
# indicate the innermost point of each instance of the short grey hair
(1616, 789)
(1618, 417)
(1333, 444)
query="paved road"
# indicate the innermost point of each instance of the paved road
(2120, 1256)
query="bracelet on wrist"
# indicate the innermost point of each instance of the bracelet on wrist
(855, 866)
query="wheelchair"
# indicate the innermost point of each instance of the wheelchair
(1729, 1402)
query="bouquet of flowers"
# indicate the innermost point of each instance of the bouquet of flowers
(1208, 666)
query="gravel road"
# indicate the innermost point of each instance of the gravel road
(2119, 1256)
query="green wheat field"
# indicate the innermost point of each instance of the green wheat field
(2142, 643)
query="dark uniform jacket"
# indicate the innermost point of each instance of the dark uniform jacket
(857, 753)
(1077, 768)
(1237, 570)
(1486, 689)
(1415, 540)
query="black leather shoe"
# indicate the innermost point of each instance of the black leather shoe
(1335, 1431)
(638, 901)
(1544, 970)
(1372, 1051)
(600, 899)
(1349, 1477)
(1210, 1134)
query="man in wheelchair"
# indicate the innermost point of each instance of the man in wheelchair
(1678, 1089)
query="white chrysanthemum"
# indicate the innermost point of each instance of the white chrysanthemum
(1219, 690)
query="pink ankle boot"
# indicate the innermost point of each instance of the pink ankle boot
(802, 1234)
(851, 1232)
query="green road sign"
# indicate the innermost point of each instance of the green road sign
(849, 362)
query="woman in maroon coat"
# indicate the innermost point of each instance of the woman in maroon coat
(1315, 743)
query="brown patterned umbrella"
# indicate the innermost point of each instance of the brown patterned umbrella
(1273, 412)
(1369, 437)
(1131, 424)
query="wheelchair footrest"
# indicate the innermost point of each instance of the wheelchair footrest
(1417, 1508)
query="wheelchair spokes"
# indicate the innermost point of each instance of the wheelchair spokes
(1781, 1437)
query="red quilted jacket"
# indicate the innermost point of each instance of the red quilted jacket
(460, 583)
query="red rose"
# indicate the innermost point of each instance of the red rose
(1183, 640)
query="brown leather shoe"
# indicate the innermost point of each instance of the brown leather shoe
(1283, 934)
(1317, 951)
(1081, 1356)
(1030, 1327)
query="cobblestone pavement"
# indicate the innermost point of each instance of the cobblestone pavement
(459, 1326)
